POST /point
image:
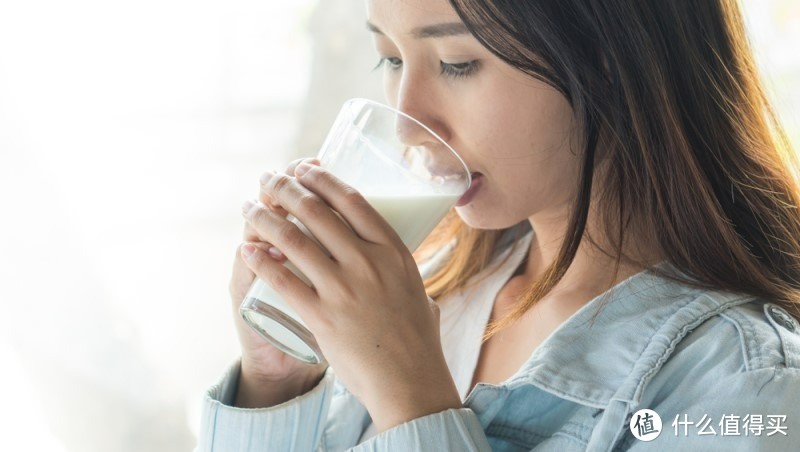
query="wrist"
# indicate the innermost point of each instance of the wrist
(392, 406)
(259, 391)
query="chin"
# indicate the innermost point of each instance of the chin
(477, 219)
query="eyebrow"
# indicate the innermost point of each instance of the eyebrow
(430, 31)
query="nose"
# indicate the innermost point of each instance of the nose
(425, 149)
(416, 98)
(411, 133)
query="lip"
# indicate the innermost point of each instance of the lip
(474, 187)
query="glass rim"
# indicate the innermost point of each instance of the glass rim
(374, 103)
(260, 308)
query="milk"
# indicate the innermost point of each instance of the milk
(413, 217)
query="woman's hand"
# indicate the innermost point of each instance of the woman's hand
(367, 306)
(268, 376)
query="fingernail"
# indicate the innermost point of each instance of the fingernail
(248, 250)
(266, 177)
(302, 168)
(275, 252)
(247, 206)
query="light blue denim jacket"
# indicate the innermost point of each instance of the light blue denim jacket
(704, 361)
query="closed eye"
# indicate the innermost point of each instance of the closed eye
(390, 62)
(453, 70)
(458, 70)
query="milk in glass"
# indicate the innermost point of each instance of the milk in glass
(411, 216)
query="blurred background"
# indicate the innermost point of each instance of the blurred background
(130, 134)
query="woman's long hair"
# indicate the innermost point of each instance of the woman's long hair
(669, 92)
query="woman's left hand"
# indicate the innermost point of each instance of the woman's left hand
(367, 306)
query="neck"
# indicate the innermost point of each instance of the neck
(592, 272)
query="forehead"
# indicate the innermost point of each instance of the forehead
(403, 15)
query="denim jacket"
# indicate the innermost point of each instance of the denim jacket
(720, 369)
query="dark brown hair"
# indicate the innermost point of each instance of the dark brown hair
(669, 92)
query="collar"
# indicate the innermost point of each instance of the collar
(609, 350)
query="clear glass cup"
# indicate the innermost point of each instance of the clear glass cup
(403, 169)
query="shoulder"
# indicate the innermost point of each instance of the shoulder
(738, 365)
(744, 337)
(756, 341)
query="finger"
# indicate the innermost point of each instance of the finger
(354, 208)
(295, 163)
(242, 277)
(301, 250)
(278, 210)
(300, 297)
(251, 235)
(267, 199)
(333, 233)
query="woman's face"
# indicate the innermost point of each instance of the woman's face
(516, 131)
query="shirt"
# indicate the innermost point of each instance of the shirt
(720, 369)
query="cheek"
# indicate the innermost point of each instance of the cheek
(525, 117)
(529, 170)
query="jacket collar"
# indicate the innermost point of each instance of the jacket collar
(610, 351)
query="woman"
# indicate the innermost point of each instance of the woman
(633, 244)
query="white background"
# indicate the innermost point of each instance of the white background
(130, 133)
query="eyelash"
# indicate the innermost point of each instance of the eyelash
(458, 70)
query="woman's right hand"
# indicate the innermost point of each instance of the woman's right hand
(268, 376)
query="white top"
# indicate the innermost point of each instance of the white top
(464, 315)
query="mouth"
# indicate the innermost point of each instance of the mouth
(474, 187)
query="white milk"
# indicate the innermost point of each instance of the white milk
(413, 217)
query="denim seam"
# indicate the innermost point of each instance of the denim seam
(757, 351)
(501, 430)
(676, 339)
(754, 358)
(625, 443)
(211, 441)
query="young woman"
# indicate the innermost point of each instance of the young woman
(634, 243)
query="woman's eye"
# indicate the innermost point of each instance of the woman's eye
(457, 70)
(390, 62)
(453, 70)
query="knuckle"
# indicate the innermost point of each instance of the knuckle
(259, 214)
(290, 236)
(368, 266)
(278, 278)
(352, 196)
(292, 165)
(309, 205)
(407, 261)
(343, 295)
(280, 182)
(265, 198)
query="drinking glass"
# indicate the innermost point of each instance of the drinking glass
(402, 168)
